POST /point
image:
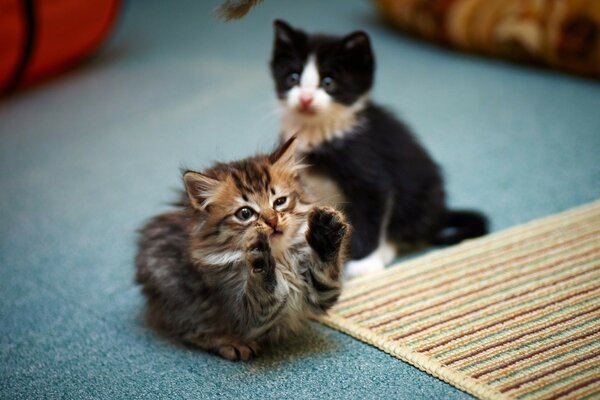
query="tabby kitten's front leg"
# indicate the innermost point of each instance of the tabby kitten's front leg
(262, 267)
(256, 310)
(327, 234)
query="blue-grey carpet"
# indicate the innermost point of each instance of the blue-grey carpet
(87, 157)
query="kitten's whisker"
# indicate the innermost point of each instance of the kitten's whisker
(271, 112)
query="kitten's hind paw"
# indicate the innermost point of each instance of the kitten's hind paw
(364, 266)
(327, 228)
(237, 351)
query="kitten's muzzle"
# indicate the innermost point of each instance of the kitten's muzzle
(305, 104)
(270, 219)
(305, 100)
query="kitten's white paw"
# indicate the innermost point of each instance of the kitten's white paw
(364, 266)
(387, 252)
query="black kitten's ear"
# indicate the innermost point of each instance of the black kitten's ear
(356, 40)
(284, 33)
(200, 188)
(285, 154)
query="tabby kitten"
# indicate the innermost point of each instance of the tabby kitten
(244, 260)
(362, 158)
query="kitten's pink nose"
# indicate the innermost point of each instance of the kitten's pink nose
(305, 100)
(272, 221)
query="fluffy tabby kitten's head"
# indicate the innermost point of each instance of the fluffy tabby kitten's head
(235, 202)
(320, 76)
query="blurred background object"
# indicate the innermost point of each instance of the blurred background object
(41, 38)
(235, 9)
(559, 33)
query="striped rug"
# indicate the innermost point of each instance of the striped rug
(515, 314)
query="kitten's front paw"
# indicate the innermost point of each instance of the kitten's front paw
(364, 266)
(327, 229)
(261, 261)
(236, 351)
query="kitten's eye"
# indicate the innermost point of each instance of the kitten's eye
(328, 83)
(280, 202)
(244, 213)
(292, 79)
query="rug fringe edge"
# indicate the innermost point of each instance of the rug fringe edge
(418, 360)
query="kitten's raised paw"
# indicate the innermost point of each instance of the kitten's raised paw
(262, 263)
(237, 351)
(260, 244)
(326, 231)
(259, 255)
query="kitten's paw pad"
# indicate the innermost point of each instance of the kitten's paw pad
(326, 231)
(327, 218)
(262, 263)
(364, 266)
(238, 351)
(260, 244)
(259, 255)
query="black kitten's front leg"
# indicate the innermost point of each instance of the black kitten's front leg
(326, 235)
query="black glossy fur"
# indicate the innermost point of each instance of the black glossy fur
(382, 162)
(379, 166)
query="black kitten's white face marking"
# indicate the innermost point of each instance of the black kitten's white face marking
(321, 81)
(308, 96)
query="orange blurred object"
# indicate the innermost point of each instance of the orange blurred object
(39, 38)
(563, 34)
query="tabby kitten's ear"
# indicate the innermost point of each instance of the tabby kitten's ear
(284, 33)
(200, 188)
(285, 155)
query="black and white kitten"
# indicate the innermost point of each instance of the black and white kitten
(362, 158)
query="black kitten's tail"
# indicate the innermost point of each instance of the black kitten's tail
(460, 225)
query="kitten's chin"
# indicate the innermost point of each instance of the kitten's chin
(277, 235)
(298, 113)
(278, 244)
(307, 112)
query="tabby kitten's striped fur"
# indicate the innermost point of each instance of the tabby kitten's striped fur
(244, 260)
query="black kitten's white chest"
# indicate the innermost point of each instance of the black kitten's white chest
(314, 134)
(323, 188)
(313, 131)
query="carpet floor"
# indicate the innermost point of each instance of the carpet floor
(511, 315)
(87, 157)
